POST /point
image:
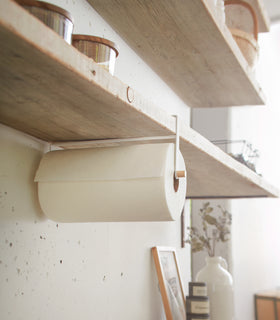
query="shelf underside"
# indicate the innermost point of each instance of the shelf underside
(51, 91)
(182, 42)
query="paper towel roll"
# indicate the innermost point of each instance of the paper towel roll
(131, 183)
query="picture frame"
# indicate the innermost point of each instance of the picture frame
(171, 288)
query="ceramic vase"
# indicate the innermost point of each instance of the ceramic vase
(219, 288)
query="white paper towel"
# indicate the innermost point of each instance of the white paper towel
(131, 183)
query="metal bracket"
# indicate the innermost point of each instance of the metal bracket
(177, 174)
(141, 140)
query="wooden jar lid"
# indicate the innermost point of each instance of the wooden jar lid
(106, 42)
(47, 6)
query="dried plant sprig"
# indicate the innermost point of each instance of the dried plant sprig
(214, 229)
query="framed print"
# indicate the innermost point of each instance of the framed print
(170, 283)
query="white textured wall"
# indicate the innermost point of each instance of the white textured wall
(214, 124)
(71, 271)
(79, 271)
(256, 223)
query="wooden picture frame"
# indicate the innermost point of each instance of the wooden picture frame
(170, 283)
(267, 305)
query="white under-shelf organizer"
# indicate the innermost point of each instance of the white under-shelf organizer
(51, 91)
(140, 182)
(110, 142)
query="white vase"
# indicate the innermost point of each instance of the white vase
(219, 288)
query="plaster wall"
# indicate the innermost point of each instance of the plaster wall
(254, 261)
(256, 222)
(51, 270)
(214, 124)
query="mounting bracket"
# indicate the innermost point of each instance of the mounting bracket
(114, 142)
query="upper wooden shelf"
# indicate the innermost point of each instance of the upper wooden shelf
(183, 43)
(51, 91)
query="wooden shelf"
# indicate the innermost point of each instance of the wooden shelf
(53, 92)
(183, 43)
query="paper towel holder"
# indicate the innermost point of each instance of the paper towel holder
(109, 142)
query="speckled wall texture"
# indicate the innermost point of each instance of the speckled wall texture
(99, 271)
(51, 270)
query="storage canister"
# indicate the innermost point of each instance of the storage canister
(198, 316)
(54, 17)
(247, 42)
(197, 289)
(197, 305)
(102, 51)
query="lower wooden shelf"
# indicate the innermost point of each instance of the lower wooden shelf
(53, 92)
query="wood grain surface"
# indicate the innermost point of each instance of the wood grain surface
(51, 91)
(185, 44)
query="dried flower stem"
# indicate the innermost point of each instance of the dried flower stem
(218, 227)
